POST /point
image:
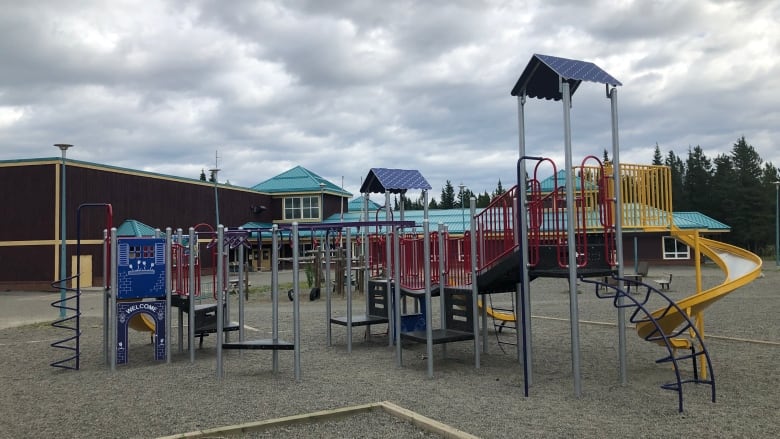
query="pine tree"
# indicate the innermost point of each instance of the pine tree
(447, 196)
(677, 169)
(747, 193)
(202, 175)
(658, 159)
(499, 190)
(697, 181)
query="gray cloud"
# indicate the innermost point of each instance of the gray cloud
(339, 87)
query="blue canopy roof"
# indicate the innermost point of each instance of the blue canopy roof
(394, 181)
(541, 77)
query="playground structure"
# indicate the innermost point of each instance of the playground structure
(570, 229)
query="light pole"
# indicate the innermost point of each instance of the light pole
(462, 208)
(63, 229)
(777, 223)
(214, 172)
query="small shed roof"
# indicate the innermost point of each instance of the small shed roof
(394, 181)
(541, 77)
(135, 228)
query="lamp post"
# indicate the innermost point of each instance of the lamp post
(462, 208)
(777, 223)
(63, 229)
(214, 172)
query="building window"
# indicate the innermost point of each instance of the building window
(306, 208)
(674, 249)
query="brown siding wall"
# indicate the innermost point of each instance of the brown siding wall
(29, 196)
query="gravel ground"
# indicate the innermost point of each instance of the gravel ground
(148, 399)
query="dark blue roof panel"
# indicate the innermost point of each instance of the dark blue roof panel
(541, 77)
(394, 181)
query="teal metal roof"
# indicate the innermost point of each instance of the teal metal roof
(135, 228)
(548, 184)
(697, 220)
(356, 205)
(297, 180)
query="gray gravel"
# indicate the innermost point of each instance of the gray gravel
(148, 399)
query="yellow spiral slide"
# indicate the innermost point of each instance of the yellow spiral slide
(739, 266)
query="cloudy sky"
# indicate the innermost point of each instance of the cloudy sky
(340, 87)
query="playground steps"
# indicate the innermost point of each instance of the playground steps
(360, 320)
(678, 349)
(377, 307)
(458, 321)
(260, 344)
(205, 317)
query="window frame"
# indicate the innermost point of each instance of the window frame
(677, 254)
(301, 204)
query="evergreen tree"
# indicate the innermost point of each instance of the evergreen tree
(658, 159)
(697, 181)
(213, 177)
(723, 181)
(483, 200)
(499, 191)
(202, 175)
(677, 170)
(747, 193)
(447, 196)
(606, 156)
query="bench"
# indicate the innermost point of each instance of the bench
(665, 282)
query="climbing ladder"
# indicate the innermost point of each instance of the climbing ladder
(678, 348)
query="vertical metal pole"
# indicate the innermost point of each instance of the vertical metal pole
(296, 303)
(427, 274)
(619, 235)
(443, 281)
(570, 219)
(241, 287)
(168, 288)
(348, 291)
(474, 286)
(395, 320)
(112, 300)
(63, 230)
(193, 245)
(106, 293)
(390, 267)
(220, 299)
(523, 293)
(275, 293)
(328, 290)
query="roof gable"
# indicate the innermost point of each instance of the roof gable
(296, 180)
(135, 228)
(394, 181)
(542, 76)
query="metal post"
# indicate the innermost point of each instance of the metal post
(193, 245)
(112, 299)
(474, 286)
(570, 219)
(220, 298)
(621, 312)
(427, 273)
(523, 296)
(275, 293)
(63, 229)
(216, 193)
(296, 304)
(168, 288)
